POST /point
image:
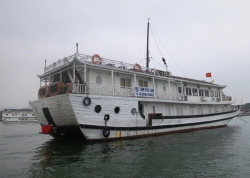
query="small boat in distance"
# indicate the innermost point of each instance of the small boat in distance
(94, 98)
(18, 115)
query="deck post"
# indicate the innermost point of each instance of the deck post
(154, 85)
(135, 83)
(74, 73)
(182, 90)
(169, 89)
(60, 75)
(85, 78)
(112, 77)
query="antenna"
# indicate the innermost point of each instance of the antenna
(77, 47)
(45, 62)
(147, 46)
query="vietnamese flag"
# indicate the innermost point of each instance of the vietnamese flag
(208, 74)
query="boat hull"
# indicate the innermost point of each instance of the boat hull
(72, 119)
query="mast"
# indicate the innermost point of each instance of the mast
(147, 46)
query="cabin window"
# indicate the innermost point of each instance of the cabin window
(195, 92)
(201, 92)
(211, 93)
(179, 90)
(143, 83)
(125, 82)
(33, 114)
(12, 114)
(164, 88)
(188, 91)
(206, 93)
(215, 93)
(99, 79)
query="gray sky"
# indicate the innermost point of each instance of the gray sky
(201, 36)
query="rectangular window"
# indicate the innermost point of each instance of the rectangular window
(188, 92)
(201, 92)
(125, 82)
(207, 93)
(219, 94)
(211, 93)
(179, 90)
(195, 92)
(215, 93)
(143, 83)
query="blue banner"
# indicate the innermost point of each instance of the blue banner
(144, 92)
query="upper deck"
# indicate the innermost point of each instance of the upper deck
(82, 71)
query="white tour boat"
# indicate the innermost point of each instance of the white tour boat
(18, 115)
(94, 98)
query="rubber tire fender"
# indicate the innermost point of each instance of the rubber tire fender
(106, 132)
(86, 101)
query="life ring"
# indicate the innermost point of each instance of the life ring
(56, 88)
(106, 132)
(99, 59)
(68, 88)
(86, 101)
(230, 98)
(137, 67)
(43, 92)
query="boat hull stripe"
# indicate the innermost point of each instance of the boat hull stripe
(192, 116)
(152, 127)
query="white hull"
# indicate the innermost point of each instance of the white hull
(69, 114)
(17, 120)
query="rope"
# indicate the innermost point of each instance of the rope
(155, 60)
(141, 46)
(168, 52)
(155, 41)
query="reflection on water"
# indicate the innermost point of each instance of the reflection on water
(220, 152)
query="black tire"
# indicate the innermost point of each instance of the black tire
(106, 132)
(86, 101)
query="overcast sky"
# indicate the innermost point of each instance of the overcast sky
(201, 36)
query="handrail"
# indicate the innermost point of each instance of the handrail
(101, 89)
(104, 62)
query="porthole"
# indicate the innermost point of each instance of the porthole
(98, 108)
(133, 111)
(117, 109)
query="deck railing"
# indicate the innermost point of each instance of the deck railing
(100, 89)
(107, 63)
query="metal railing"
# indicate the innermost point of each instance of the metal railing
(107, 63)
(61, 62)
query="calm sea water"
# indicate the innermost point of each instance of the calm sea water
(223, 152)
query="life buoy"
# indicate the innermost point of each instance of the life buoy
(56, 88)
(230, 98)
(106, 132)
(96, 56)
(68, 88)
(137, 67)
(86, 101)
(43, 92)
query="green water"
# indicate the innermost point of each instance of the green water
(223, 152)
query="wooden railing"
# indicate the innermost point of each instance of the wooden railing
(100, 89)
